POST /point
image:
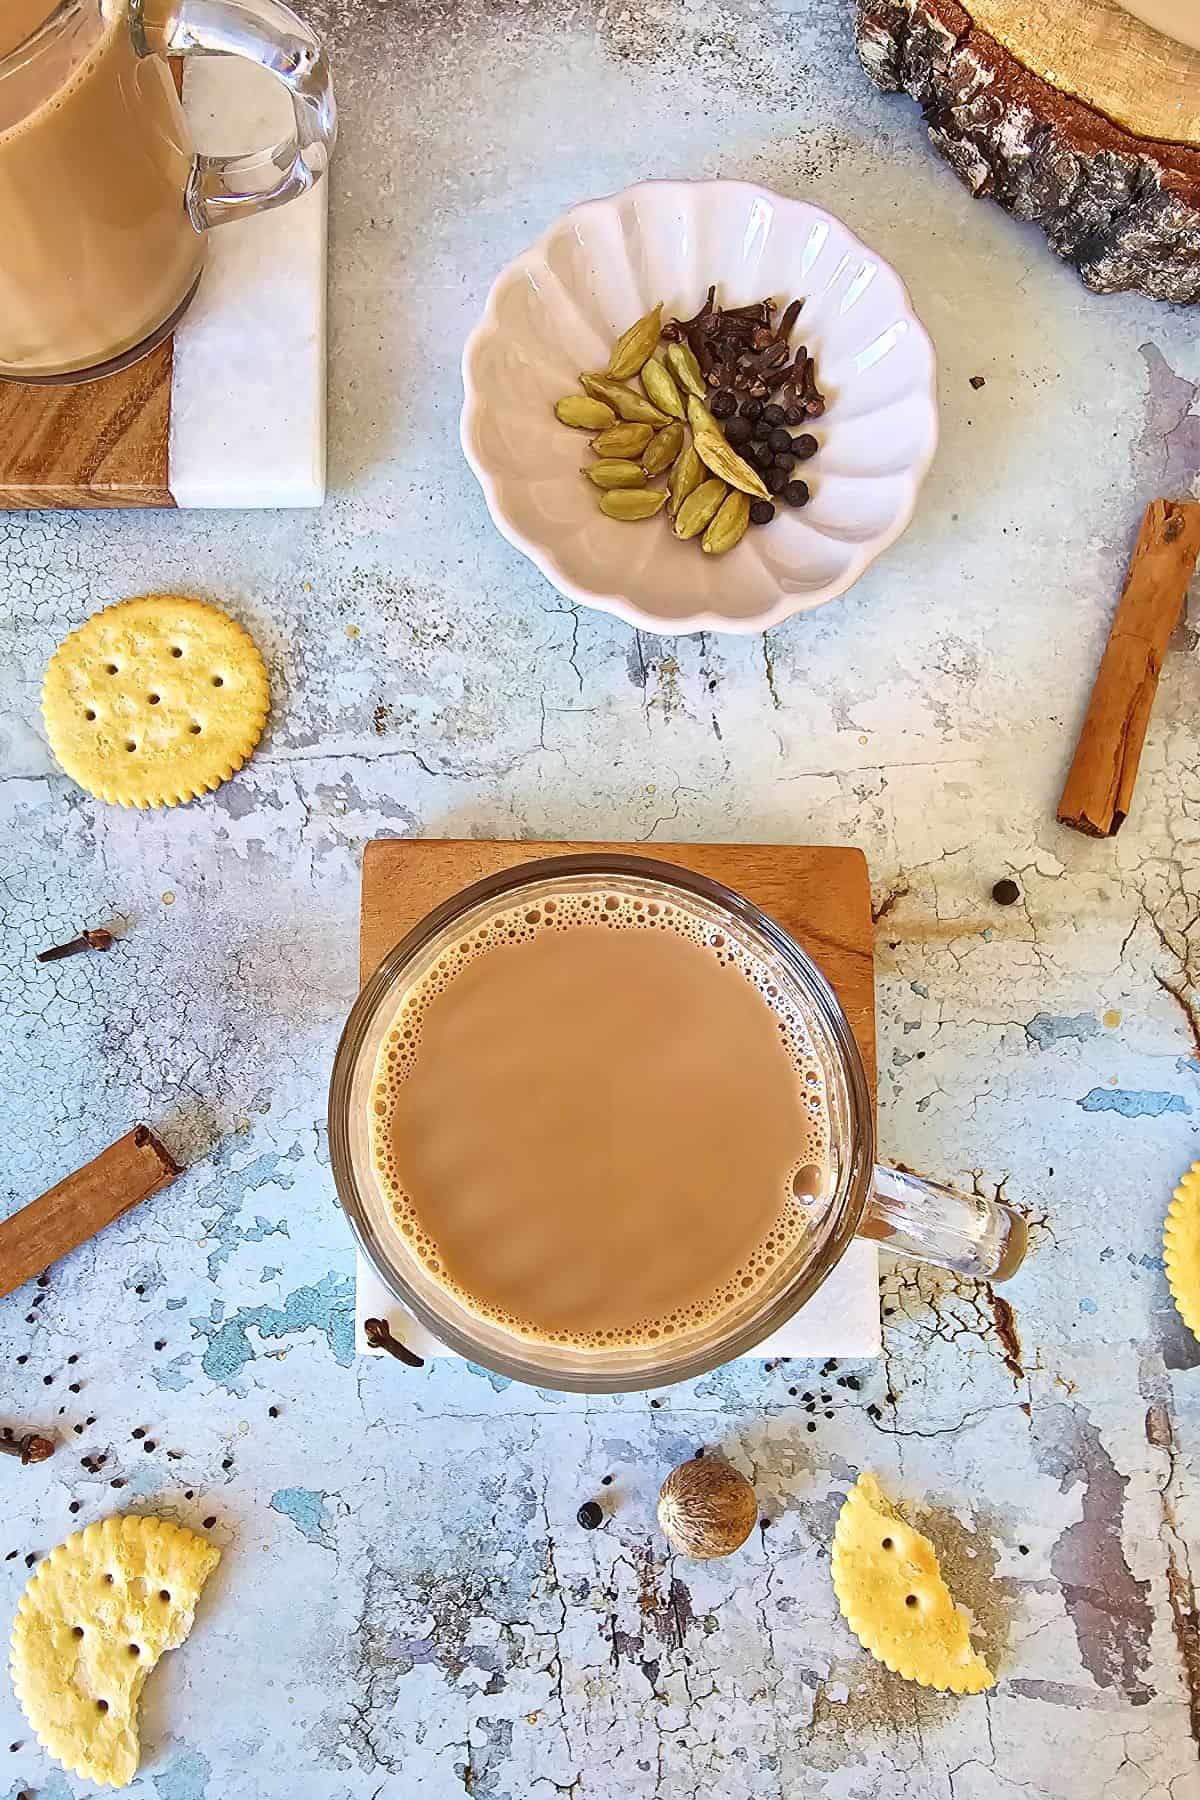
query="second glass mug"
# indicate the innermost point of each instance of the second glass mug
(908, 1214)
(105, 205)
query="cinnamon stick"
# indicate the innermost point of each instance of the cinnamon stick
(1099, 788)
(130, 1170)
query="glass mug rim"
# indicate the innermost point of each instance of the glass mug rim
(31, 42)
(854, 1157)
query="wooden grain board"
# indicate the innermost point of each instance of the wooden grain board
(1122, 206)
(103, 443)
(821, 896)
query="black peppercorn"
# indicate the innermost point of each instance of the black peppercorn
(738, 431)
(752, 409)
(794, 415)
(795, 493)
(761, 512)
(775, 481)
(723, 404)
(590, 1515)
(761, 455)
(780, 439)
(782, 459)
(773, 415)
(1006, 893)
(804, 446)
(761, 431)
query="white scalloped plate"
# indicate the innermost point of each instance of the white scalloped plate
(558, 308)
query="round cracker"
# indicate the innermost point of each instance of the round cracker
(1181, 1248)
(892, 1596)
(94, 1619)
(154, 701)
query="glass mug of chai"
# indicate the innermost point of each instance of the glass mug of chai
(105, 205)
(601, 1124)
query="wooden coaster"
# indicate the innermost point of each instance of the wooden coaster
(821, 896)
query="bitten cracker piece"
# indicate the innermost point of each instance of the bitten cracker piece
(892, 1596)
(155, 701)
(95, 1618)
(1181, 1248)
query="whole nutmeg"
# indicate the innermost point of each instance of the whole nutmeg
(706, 1508)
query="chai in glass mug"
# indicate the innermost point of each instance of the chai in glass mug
(104, 204)
(601, 1124)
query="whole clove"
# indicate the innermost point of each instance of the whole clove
(378, 1335)
(32, 1448)
(99, 939)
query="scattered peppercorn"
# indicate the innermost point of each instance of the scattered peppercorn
(656, 1403)
(189, 1493)
(776, 481)
(78, 1430)
(780, 439)
(796, 493)
(852, 1381)
(139, 1431)
(804, 446)
(761, 512)
(31, 1559)
(75, 1506)
(738, 432)
(22, 1359)
(272, 1412)
(210, 1521)
(1024, 1549)
(761, 455)
(772, 415)
(764, 1524)
(829, 1415)
(149, 1444)
(76, 1387)
(792, 1392)
(74, 1357)
(812, 1425)
(117, 1481)
(782, 459)
(590, 1515)
(47, 1381)
(227, 1462)
(752, 409)
(160, 1343)
(606, 1481)
(723, 404)
(977, 381)
(1006, 892)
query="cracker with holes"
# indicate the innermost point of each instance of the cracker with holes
(90, 1626)
(892, 1596)
(1181, 1248)
(155, 701)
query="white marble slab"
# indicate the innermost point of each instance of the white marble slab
(248, 388)
(842, 1318)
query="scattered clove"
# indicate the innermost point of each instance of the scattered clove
(32, 1448)
(378, 1335)
(89, 940)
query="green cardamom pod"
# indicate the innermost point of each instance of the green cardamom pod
(623, 440)
(686, 475)
(663, 448)
(635, 346)
(662, 390)
(699, 509)
(626, 402)
(728, 526)
(632, 503)
(716, 455)
(686, 369)
(699, 417)
(585, 414)
(616, 474)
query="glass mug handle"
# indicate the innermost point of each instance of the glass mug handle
(966, 1232)
(265, 32)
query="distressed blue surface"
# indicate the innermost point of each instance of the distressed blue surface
(1133, 1105)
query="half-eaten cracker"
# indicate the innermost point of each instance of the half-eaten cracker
(155, 701)
(93, 1621)
(1181, 1248)
(892, 1596)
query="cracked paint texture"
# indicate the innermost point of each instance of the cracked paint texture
(406, 1606)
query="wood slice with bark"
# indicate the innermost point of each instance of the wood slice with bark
(1078, 118)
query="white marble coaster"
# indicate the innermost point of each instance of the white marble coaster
(248, 382)
(842, 1318)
